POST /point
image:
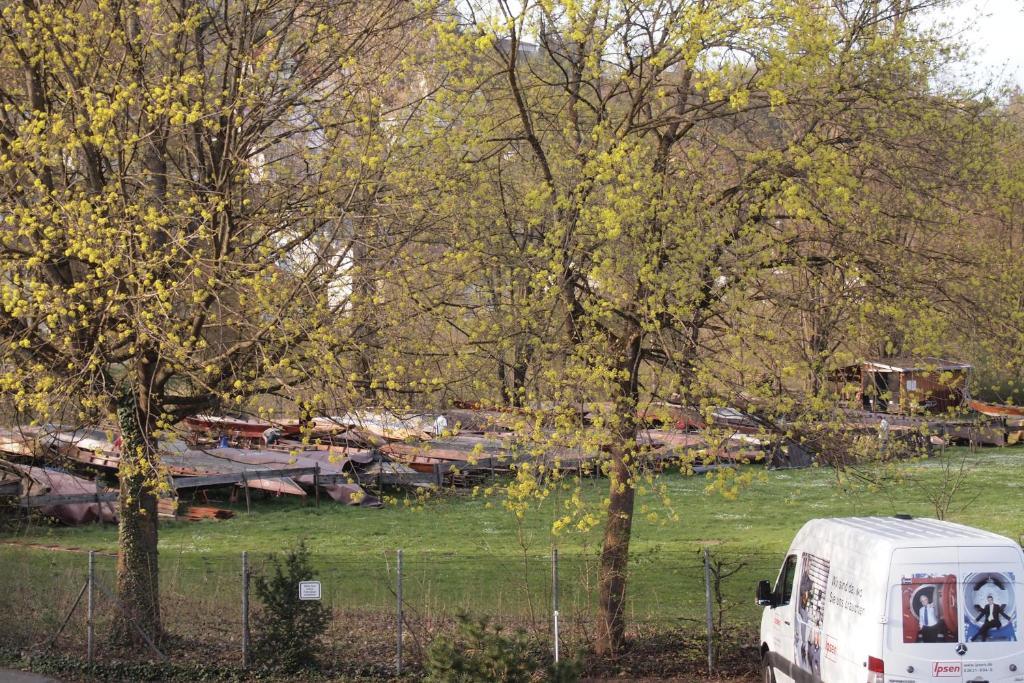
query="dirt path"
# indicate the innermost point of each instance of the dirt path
(53, 548)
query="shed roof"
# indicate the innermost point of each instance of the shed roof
(908, 364)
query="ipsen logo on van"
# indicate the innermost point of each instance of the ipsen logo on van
(831, 649)
(946, 669)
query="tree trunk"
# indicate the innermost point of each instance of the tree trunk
(612, 576)
(137, 569)
(364, 289)
(519, 369)
(138, 587)
(506, 394)
(612, 573)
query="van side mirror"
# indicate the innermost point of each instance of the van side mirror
(765, 597)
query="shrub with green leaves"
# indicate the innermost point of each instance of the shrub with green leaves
(288, 630)
(482, 652)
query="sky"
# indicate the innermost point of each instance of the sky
(994, 30)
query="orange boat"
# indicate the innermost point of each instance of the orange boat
(996, 409)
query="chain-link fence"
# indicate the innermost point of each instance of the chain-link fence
(386, 609)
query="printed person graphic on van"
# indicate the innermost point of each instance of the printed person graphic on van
(928, 617)
(988, 618)
(810, 614)
(992, 615)
(929, 608)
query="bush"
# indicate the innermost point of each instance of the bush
(482, 652)
(288, 630)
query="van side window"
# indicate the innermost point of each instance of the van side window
(784, 588)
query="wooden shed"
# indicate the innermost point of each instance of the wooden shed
(908, 386)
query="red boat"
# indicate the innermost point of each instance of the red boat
(239, 427)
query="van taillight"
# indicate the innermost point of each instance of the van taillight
(876, 669)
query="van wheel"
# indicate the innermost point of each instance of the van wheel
(767, 674)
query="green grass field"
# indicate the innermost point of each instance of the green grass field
(468, 553)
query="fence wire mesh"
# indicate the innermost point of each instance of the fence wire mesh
(201, 599)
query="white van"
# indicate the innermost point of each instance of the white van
(894, 600)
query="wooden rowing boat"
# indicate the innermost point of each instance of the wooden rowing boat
(996, 409)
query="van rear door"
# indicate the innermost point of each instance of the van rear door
(990, 583)
(923, 616)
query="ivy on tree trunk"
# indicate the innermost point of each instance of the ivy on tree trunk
(138, 585)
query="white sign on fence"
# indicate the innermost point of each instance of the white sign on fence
(309, 590)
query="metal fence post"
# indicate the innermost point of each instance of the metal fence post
(554, 596)
(398, 593)
(246, 655)
(89, 607)
(316, 483)
(709, 611)
(245, 484)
